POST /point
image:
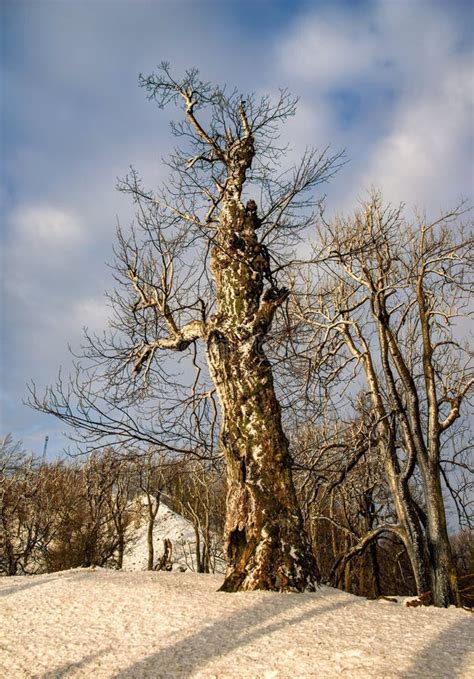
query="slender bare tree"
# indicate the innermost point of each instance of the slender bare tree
(118, 500)
(152, 475)
(342, 489)
(390, 305)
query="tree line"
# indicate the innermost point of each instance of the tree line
(86, 512)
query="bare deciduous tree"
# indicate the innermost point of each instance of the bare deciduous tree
(29, 509)
(205, 275)
(389, 305)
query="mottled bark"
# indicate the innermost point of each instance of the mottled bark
(265, 542)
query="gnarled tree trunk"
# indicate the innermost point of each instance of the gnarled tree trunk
(266, 546)
(265, 542)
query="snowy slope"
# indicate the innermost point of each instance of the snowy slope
(169, 525)
(127, 625)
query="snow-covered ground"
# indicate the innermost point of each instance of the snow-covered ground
(103, 623)
(171, 526)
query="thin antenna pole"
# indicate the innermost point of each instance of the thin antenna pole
(46, 439)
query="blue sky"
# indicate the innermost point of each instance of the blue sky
(389, 81)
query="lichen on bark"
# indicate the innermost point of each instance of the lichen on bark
(265, 542)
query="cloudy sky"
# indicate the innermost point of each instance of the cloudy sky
(391, 81)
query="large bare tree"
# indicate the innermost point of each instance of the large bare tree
(201, 273)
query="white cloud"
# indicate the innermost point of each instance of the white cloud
(427, 155)
(46, 226)
(43, 249)
(90, 312)
(325, 50)
(408, 75)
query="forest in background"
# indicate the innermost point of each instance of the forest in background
(82, 513)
